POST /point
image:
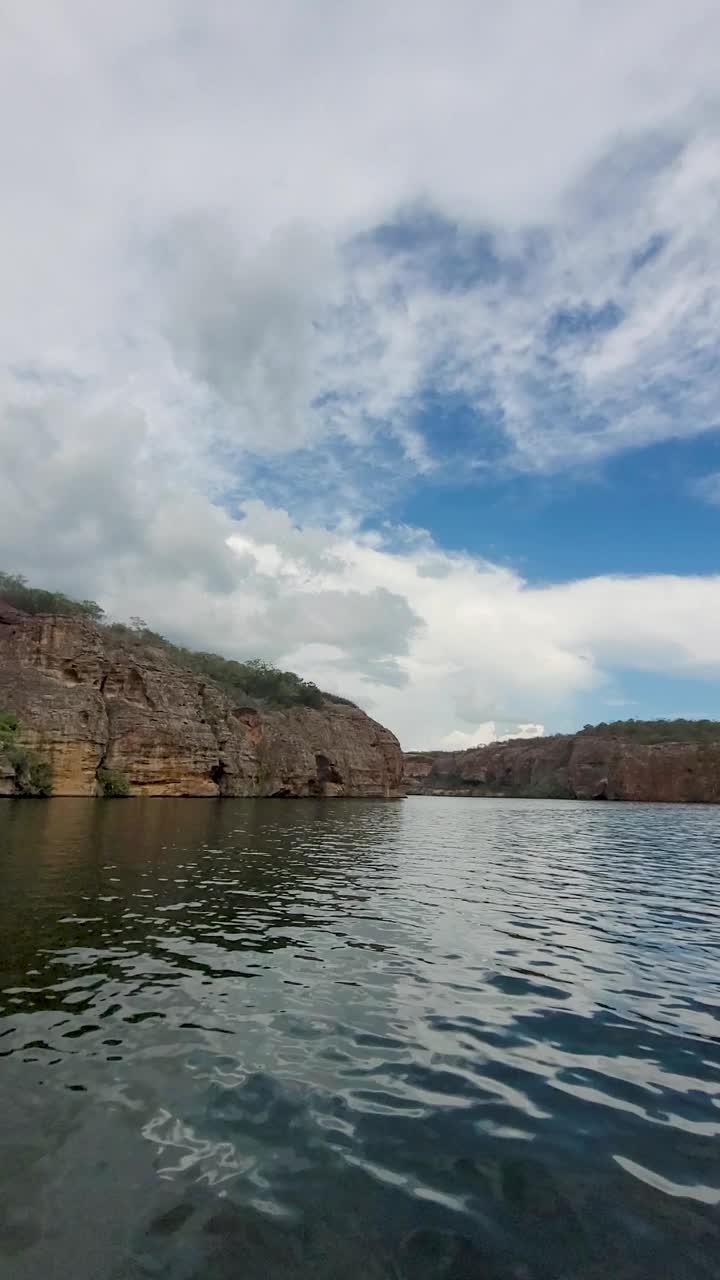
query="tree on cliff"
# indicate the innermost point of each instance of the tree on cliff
(653, 732)
(14, 590)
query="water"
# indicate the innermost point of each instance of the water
(439, 1038)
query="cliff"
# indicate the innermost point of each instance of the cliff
(583, 766)
(86, 701)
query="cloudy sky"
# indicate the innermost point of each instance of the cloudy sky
(379, 340)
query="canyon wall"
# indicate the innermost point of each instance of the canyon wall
(583, 766)
(85, 701)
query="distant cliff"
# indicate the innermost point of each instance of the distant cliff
(600, 764)
(95, 706)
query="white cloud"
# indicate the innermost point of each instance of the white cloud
(444, 648)
(470, 654)
(186, 199)
(434, 643)
(242, 250)
(488, 732)
(708, 488)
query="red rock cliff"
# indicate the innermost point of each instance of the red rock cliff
(85, 703)
(583, 766)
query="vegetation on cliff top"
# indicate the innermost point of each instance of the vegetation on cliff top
(644, 732)
(654, 732)
(32, 775)
(251, 680)
(260, 681)
(15, 591)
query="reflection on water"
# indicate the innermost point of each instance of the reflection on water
(443, 1038)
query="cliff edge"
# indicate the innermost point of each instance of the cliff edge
(85, 701)
(590, 765)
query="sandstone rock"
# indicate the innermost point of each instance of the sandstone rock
(9, 614)
(583, 766)
(85, 700)
(417, 768)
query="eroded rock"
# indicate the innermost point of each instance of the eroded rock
(582, 766)
(86, 701)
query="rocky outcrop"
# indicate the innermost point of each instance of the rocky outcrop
(583, 766)
(10, 615)
(418, 767)
(85, 701)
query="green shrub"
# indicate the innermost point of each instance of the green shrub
(253, 679)
(657, 731)
(112, 783)
(14, 590)
(35, 777)
(32, 775)
(8, 728)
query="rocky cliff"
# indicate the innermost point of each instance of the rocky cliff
(85, 701)
(583, 766)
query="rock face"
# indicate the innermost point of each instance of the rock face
(7, 778)
(84, 702)
(583, 766)
(417, 769)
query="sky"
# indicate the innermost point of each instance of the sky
(379, 341)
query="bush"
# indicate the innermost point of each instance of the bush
(14, 590)
(8, 728)
(241, 680)
(32, 775)
(657, 731)
(112, 784)
(254, 679)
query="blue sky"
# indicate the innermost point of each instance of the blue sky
(636, 514)
(380, 341)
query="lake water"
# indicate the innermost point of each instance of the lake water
(442, 1038)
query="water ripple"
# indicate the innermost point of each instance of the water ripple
(442, 1038)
